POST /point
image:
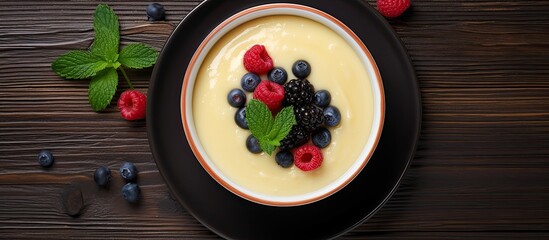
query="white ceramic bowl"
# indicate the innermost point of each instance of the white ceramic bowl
(331, 23)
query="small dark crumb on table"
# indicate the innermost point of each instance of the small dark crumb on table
(73, 201)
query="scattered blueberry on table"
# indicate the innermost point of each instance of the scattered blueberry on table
(156, 12)
(45, 158)
(102, 176)
(131, 192)
(128, 171)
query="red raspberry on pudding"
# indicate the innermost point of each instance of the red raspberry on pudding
(271, 94)
(257, 60)
(308, 157)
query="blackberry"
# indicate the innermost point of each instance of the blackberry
(295, 138)
(309, 117)
(298, 92)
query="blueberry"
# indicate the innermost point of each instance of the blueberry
(250, 81)
(322, 98)
(130, 192)
(45, 158)
(102, 176)
(155, 12)
(128, 171)
(240, 118)
(253, 145)
(278, 75)
(236, 98)
(321, 137)
(301, 69)
(332, 117)
(284, 158)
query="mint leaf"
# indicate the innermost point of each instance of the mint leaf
(268, 131)
(102, 88)
(138, 56)
(78, 64)
(283, 123)
(107, 36)
(102, 61)
(266, 146)
(259, 118)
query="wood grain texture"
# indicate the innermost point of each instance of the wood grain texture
(481, 170)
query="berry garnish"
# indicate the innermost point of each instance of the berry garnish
(321, 137)
(132, 105)
(130, 192)
(392, 8)
(240, 118)
(45, 158)
(322, 98)
(236, 98)
(284, 158)
(155, 12)
(250, 81)
(278, 75)
(128, 171)
(102, 176)
(298, 92)
(295, 138)
(253, 144)
(332, 117)
(267, 130)
(301, 69)
(309, 117)
(308, 157)
(271, 94)
(257, 60)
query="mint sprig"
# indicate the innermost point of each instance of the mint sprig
(103, 60)
(269, 131)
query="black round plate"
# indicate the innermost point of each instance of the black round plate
(233, 217)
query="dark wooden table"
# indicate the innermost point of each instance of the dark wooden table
(481, 169)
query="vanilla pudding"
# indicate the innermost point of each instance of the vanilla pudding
(336, 66)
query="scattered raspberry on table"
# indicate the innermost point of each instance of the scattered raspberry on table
(392, 8)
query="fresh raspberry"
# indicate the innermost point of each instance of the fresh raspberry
(308, 157)
(392, 8)
(257, 60)
(271, 94)
(132, 105)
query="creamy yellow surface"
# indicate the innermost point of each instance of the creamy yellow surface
(335, 67)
